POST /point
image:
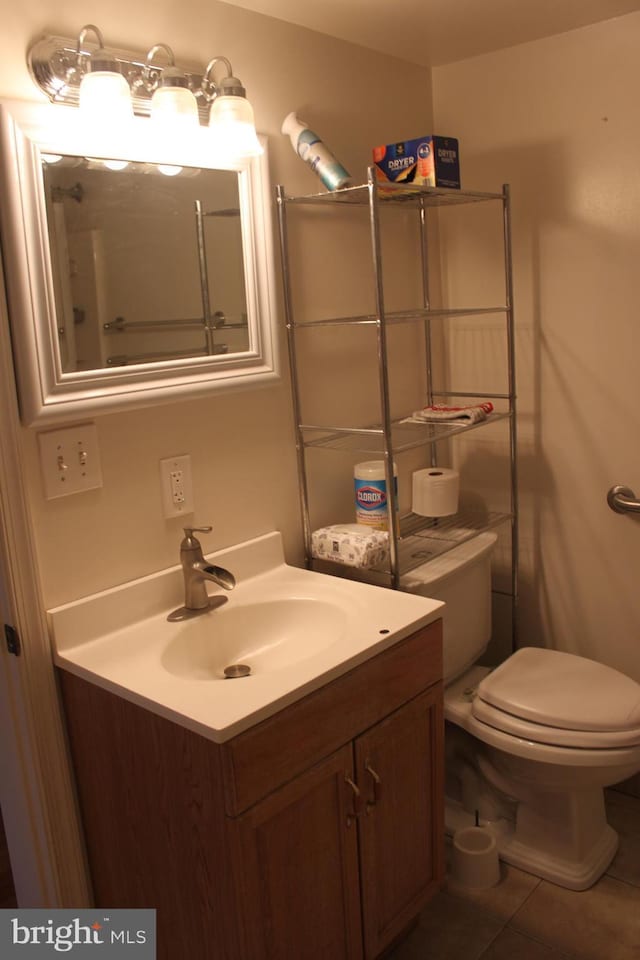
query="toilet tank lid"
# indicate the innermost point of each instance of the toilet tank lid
(453, 561)
(563, 690)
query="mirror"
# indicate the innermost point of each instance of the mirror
(146, 265)
(137, 272)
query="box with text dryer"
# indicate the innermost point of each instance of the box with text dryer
(430, 161)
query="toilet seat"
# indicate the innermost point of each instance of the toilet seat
(458, 709)
(558, 698)
(556, 736)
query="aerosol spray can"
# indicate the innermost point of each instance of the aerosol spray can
(312, 150)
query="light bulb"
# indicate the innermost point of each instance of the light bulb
(169, 170)
(231, 120)
(116, 164)
(173, 105)
(105, 98)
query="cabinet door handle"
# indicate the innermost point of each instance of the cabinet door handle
(357, 800)
(376, 785)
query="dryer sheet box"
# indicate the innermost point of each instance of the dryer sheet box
(430, 161)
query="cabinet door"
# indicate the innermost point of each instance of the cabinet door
(297, 853)
(399, 770)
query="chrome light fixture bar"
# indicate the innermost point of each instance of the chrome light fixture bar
(58, 66)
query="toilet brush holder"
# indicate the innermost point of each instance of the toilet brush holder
(474, 861)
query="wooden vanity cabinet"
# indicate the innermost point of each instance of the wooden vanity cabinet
(316, 834)
(298, 868)
(400, 854)
(346, 852)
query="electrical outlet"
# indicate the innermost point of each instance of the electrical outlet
(177, 491)
(70, 460)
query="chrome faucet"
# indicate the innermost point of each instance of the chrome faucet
(196, 572)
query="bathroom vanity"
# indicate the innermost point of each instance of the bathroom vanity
(313, 830)
(316, 833)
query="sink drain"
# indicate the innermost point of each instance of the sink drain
(235, 670)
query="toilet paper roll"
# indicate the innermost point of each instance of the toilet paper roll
(435, 492)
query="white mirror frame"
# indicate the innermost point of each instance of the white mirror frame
(47, 394)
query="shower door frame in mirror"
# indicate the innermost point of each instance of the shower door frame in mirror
(46, 392)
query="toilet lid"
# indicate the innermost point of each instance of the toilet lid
(554, 736)
(563, 691)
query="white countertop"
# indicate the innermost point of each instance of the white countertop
(315, 628)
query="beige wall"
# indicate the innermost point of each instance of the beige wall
(241, 443)
(558, 120)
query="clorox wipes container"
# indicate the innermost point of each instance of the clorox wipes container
(371, 493)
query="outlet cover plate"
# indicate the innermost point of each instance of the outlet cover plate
(177, 489)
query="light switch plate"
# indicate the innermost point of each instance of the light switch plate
(70, 460)
(177, 490)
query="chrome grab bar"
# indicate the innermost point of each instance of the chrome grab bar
(623, 500)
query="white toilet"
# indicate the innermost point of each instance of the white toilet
(531, 744)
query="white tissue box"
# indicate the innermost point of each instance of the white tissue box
(350, 543)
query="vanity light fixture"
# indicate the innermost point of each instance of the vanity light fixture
(73, 72)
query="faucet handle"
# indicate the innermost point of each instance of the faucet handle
(190, 542)
(189, 530)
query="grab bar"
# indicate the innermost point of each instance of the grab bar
(623, 500)
(123, 359)
(218, 321)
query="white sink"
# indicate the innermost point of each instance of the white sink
(264, 637)
(295, 629)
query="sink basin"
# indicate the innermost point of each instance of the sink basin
(265, 636)
(295, 629)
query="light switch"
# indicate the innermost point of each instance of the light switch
(175, 480)
(70, 460)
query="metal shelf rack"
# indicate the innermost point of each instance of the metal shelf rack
(412, 539)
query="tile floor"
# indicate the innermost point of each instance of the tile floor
(524, 918)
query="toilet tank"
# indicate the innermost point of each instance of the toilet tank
(462, 579)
